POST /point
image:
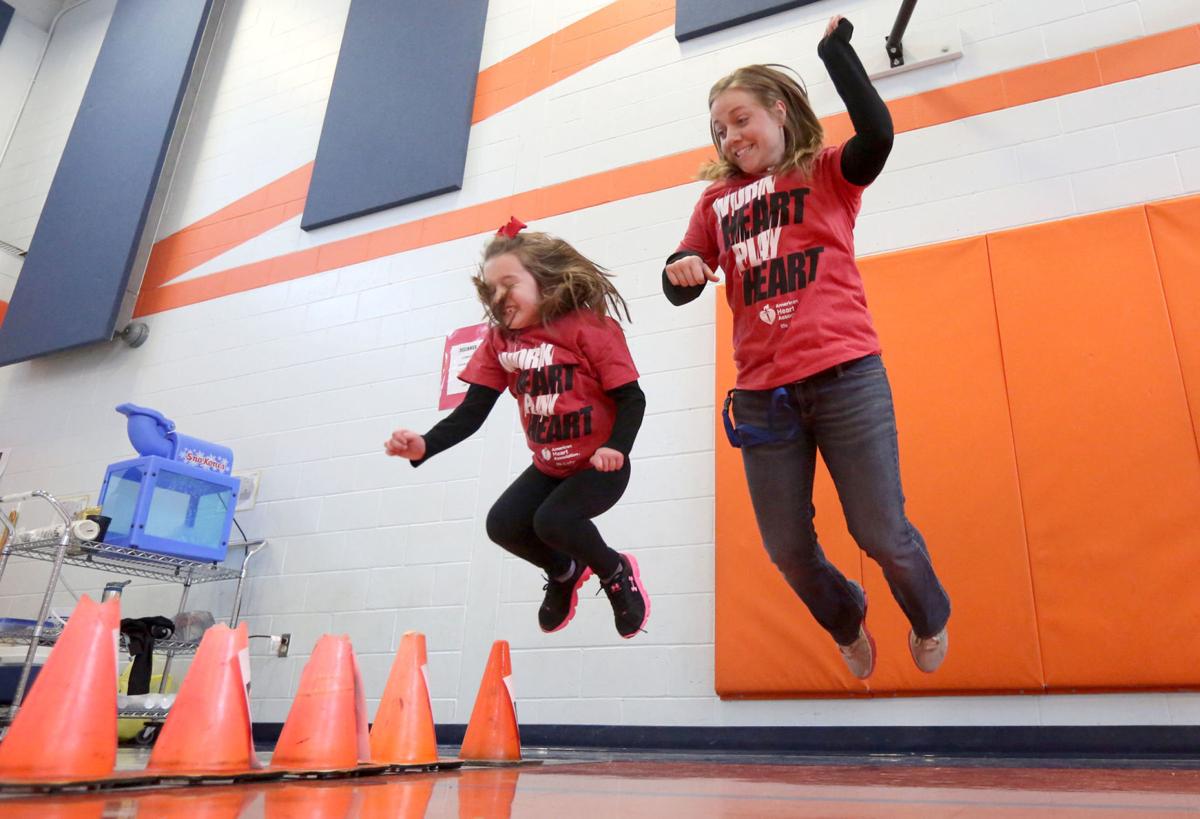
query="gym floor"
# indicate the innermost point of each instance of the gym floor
(557, 784)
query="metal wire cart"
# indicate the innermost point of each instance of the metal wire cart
(66, 549)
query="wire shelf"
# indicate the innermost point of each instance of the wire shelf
(129, 561)
(173, 646)
(22, 636)
(130, 713)
(142, 713)
(49, 636)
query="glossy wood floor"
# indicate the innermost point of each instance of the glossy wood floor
(583, 786)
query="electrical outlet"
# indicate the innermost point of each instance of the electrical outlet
(285, 641)
(248, 490)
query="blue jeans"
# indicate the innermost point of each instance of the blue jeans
(847, 414)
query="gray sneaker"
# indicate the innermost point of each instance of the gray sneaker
(928, 652)
(860, 655)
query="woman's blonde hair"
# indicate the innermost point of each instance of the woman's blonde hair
(566, 279)
(803, 136)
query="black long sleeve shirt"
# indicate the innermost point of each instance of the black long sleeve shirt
(468, 417)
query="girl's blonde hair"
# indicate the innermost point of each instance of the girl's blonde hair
(566, 279)
(802, 131)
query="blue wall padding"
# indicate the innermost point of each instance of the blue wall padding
(400, 109)
(6, 13)
(84, 247)
(695, 18)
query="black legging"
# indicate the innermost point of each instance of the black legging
(547, 521)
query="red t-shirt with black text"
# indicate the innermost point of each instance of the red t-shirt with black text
(786, 246)
(560, 374)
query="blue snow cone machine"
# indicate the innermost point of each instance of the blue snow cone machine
(177, 498)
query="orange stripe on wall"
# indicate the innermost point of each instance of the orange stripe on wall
(586, 192)
(1080, 72)
(3, 310)
(1054, 78)
(579, 45)
(572, 49)
(250, 216)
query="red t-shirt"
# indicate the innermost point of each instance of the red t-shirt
(559, 373)
(786, 246)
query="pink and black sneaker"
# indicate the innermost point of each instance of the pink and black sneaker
(630, 603)
(562, 596)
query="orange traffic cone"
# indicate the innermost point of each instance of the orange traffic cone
(208, 728)
(487, 794)
(403, 732)
(406, 799)
(492, 734)
(194, 803)
(312, 800)
(326, 728)
(61, 807)
(66, 729)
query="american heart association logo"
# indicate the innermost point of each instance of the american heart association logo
(767, 314)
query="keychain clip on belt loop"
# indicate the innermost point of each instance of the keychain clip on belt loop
(749, 435)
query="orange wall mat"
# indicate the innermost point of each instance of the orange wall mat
(934, 311)
(1105, 450)
(1047, 389)
(935, 315)
(767, 643)
(1175, 229)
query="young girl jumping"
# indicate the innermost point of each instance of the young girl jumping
(779, 221)
(554, 346)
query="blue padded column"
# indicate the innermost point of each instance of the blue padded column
(82, 253)
(6, 13)
(695, 18)
(400, 109)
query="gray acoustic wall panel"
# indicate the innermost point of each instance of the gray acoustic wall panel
(695, 18)
(84, 247)
(400, 108)
(6, 13)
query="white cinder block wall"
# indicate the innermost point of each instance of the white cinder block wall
(306, 379)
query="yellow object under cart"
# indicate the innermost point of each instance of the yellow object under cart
(141, 730)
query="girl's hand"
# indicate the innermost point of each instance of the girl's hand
(830, 30)
(689, 272)
(405, 443)
(607, 460)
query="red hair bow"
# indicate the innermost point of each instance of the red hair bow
(513, 227)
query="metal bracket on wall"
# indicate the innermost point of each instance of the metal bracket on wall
(895, 45)
(922, 48)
